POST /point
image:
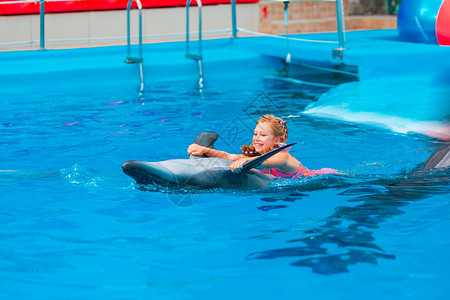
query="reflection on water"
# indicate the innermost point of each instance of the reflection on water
(346, 237)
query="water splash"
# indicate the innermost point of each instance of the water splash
(403, 106)
(83, 176)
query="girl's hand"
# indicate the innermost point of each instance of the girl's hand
(236, 167)
(195, 149)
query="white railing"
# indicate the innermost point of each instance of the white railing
(340, 19)
(188, 54)
(337, 52)
(196, 57)
(129, 58)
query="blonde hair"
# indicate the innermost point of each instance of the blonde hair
(279, 129)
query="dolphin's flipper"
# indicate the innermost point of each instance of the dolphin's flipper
(257, 161)
(440, 158)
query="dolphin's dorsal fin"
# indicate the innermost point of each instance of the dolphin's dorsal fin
(205, 139)
(257, 161)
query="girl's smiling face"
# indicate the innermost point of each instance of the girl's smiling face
(264, 138)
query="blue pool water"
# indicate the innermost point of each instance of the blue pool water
(73, 226)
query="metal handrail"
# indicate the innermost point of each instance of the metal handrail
(129, 58)
(233, 18)
(337, 52)
(199, 55)
(42, 26)
(139, 4)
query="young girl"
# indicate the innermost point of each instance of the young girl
(270, 133)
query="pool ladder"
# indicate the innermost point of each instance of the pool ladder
(139, 60)
(197, 57)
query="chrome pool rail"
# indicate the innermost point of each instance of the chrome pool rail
(129, 58)
(233, 18)
(42, 26)
(286, 19)
(197, 57)
(337, 53)
(41, 13)
(188, 54)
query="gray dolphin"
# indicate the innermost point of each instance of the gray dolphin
(201, 172)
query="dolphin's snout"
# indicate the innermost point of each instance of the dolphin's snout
(127, 165)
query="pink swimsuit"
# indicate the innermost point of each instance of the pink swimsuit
(302, 172)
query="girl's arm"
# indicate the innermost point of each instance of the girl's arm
(282, 161)
(237, 165)
(279, 161)
(195, 149)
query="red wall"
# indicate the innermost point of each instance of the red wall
(89, 5)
